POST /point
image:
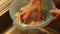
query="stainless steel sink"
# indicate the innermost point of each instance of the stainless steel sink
(6, 26)
(16, 30)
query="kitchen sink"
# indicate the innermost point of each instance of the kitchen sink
(15, 30)
(6, 26)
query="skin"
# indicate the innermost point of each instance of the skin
(56, 13)
(35, 5)
(26, 11)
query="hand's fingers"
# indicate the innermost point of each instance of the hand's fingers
(26, 21)
(54, 18)
(55, 12)
(21, 16)
(26, 18)
(22, 8)
(39, 17)
(22, 13)
(39, 14)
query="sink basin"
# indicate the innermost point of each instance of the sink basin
(6, 26)
(14, 30)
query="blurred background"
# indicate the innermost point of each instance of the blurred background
(6, 21)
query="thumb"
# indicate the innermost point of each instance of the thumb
(55, 12)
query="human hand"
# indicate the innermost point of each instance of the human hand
(56, 13)
(27, 11)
